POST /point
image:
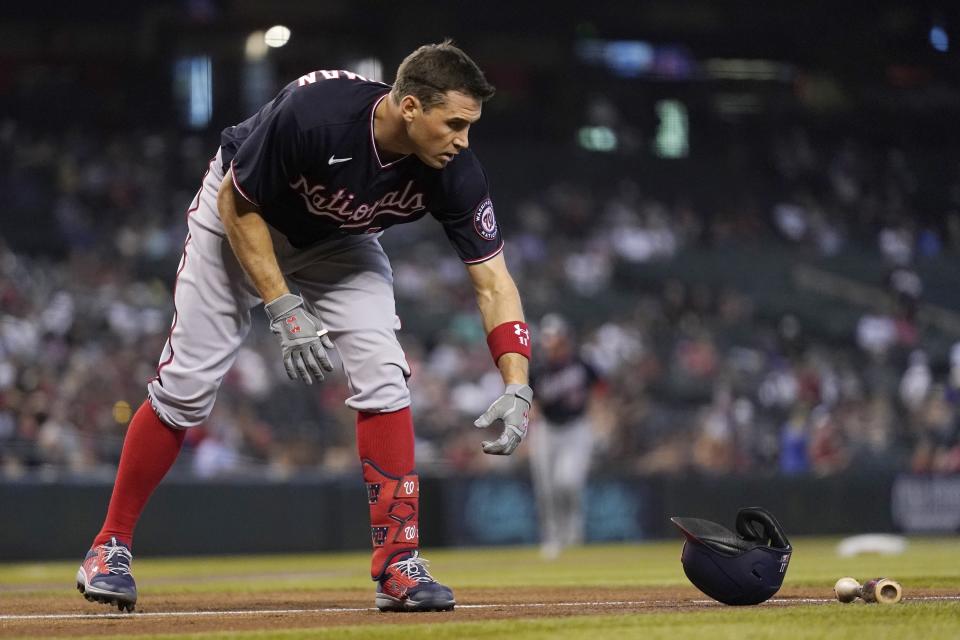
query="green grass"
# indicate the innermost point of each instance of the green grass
(929, 621)
(927, 563)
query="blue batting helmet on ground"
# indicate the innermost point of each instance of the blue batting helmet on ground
(746, 567)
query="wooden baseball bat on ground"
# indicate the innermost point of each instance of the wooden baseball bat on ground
(882, 591)
(878, 590)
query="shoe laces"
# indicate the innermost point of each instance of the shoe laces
(117, 558)
(415, 568)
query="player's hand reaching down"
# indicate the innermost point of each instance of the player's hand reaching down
(513, 408)
(303, 339)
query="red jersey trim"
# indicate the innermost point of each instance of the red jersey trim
(239, 188)
(194, 205)
(373, 140)
(486, 257)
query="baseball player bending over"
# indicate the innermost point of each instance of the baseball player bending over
(295, 200)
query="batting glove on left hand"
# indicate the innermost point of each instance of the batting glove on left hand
(303, 339)
(513, 408)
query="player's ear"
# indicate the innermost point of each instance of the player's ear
(410, 107)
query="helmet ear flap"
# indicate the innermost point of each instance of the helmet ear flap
(760, 526)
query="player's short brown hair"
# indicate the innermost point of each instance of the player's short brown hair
(433, 69)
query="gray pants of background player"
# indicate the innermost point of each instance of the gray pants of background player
(347, 282)
(560, 462)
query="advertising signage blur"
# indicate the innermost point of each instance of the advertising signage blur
(638, 58)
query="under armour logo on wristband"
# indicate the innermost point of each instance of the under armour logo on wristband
(512, 336)
(522, 334)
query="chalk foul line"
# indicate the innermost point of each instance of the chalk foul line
(511, 605)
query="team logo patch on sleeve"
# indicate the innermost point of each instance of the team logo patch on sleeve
(484, 221)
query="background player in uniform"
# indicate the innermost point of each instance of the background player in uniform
(562, 440)
(295, 198)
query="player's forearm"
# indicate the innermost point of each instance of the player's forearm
(497, 295)
(499, 303)
(250, 240)
(514, 369)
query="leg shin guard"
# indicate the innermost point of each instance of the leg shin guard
(394, 515)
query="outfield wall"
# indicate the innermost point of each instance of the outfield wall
(40, 520)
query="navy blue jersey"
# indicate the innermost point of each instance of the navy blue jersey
(563, 390)
(309, 161)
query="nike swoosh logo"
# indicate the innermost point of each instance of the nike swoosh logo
(334, 160)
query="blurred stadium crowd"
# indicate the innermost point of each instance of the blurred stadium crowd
(699, 376)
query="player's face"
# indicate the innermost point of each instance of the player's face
(443, 131)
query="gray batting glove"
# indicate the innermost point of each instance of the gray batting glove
(303, 339)
(513, 408)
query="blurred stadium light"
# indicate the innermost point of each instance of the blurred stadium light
(637, 58)
(939, 39)
(597, 139)
(672, 138)
(193, 86)
(256, 47)
(742, 69)
(276, 36)
(370, 68)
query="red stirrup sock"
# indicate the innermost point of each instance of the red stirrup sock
(149, 450)
(385, 445)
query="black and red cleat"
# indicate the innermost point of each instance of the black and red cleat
(406, 585)
(104, 576)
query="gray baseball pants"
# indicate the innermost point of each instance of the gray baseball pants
(560, 465)
(347, 282)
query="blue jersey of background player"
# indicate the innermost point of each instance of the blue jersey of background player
(564, 383)
(308, 159)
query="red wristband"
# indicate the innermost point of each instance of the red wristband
(509, 337)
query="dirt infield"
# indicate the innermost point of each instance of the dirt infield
(70, 615)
